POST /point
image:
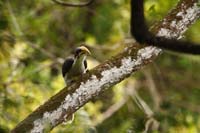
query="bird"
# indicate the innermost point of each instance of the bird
(75, 66)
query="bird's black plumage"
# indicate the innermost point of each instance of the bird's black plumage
(67, 65)
(85, 64)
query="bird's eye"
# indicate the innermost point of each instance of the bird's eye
(77, 51)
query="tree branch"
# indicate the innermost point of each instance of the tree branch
(107, 74)
(73, 4)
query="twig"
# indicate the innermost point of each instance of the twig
(151, 123)
(73, 4)
(14, 20)
(152, 88)
(110, 111)
(139, 101)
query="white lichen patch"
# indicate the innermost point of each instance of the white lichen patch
(163, 32)
(190, 13)
(180, 26)
(186, 17)
(148, 51)
(92, 87)
(179, 14)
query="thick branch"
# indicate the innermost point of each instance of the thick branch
(107, 74)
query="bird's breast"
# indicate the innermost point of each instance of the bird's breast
(77, 69)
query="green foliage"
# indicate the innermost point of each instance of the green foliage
(33, 34)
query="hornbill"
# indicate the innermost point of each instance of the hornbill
(75, 66)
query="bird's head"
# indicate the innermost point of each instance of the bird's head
(81, 51)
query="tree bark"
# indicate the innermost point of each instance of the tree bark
(133, 58)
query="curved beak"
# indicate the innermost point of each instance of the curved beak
(85, 50)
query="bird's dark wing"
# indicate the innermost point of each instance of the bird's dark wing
(85, 64)
(67, 65)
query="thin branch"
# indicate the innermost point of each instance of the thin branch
(13, 18)
(151, 123)
(73, 4)
(110, 111)
(140, 102)
(153, 90)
